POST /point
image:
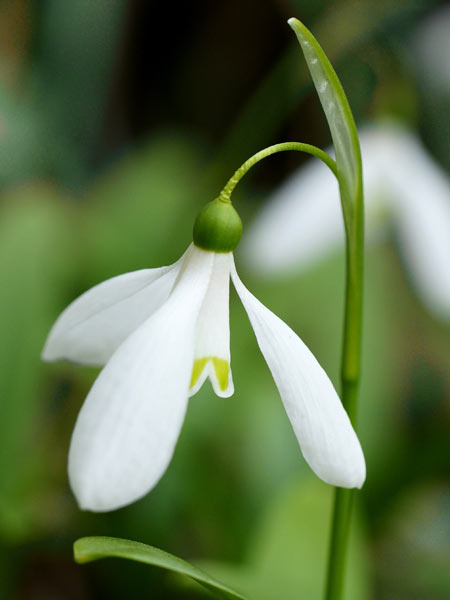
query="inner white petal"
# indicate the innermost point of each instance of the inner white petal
(212, 339)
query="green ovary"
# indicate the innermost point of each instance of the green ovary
(221, 368)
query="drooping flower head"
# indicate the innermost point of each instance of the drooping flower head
(160, 333)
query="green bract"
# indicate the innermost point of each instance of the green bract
(218, 227)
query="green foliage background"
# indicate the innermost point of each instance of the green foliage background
(118, 121)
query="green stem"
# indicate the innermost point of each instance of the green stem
(350, 375)
(225, 194)
(343, 502)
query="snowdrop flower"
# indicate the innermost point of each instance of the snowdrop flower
(160, 333)
(403, 185)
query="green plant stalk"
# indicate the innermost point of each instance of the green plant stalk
(350, 376)
(225, 194)
(351, 351)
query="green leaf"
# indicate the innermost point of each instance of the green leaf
(349, 168)
(92, 548)
(340, 120)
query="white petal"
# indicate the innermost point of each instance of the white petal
(420, 197)
(92, 327)
(127, 429)
(212, 339)
(321, 425)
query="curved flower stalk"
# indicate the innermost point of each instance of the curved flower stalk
(403, 186)
(160, 334)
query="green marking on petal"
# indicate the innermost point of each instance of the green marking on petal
(199, 365)
(221, 368)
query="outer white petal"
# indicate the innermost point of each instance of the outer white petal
(212, 340)
(127, 429)
(321, 425)
(420, 199)
(92, 327)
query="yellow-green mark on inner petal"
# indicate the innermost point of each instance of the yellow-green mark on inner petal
(221, 368)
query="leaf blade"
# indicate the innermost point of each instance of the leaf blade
(339, 116)
(88, 549)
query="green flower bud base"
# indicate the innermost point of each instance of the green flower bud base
(218, 227)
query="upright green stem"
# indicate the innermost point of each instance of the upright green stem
(350, 375)
(283, 147)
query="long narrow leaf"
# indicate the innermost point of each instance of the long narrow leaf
(339, 117)
(92, 548)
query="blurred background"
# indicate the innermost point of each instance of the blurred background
(119, 119)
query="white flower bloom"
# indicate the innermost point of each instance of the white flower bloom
(303, 220)
(161, 333)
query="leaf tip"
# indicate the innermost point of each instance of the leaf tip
(79, 552)
(295, 24)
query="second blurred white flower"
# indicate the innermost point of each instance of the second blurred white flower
(403, 186)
